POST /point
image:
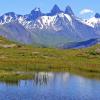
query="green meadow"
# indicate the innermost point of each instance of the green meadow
(16, 58)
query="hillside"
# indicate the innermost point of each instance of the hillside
(15, 57)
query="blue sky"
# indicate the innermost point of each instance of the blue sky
(25, 6)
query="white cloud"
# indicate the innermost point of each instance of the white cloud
(86, 11)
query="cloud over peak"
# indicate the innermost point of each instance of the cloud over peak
(86, 11)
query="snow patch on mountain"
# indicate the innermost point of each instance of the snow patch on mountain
(93, 22)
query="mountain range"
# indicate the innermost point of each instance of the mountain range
(59, 29)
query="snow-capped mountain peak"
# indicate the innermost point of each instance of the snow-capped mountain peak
(37, 9)
(94, 21)
(8, 17)
(69, 11)
(35, 13)
(97, 15)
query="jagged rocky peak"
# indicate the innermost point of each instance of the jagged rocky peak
(36, 10)
(55, 10)
(10, 13)
(35, 13)
(97, 15)
(69, 11)
(7, 17)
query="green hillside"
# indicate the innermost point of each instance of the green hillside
(15, 58)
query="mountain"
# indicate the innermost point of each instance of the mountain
(55, 10)
(83, 44)
(35, 13)
(16, 32)
(97, 15)
(95, 23)
(69, 11)
(54, 29)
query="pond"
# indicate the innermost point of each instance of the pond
(51, 86)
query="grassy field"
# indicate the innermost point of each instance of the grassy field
(15, 57)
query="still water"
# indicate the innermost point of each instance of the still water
(51, 86)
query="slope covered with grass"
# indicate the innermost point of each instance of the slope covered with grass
(20, 58)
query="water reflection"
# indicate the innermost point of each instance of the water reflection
(51, 86)
(10, 82)
(39, 78)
